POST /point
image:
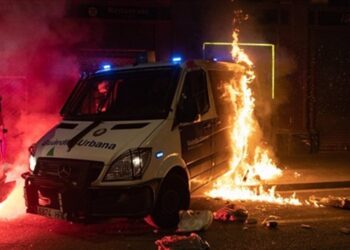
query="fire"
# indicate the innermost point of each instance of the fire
(251, 164)
(14, 205)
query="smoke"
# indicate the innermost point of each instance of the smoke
(38, 68)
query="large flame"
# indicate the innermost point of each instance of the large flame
(14, 205)
(251, 164)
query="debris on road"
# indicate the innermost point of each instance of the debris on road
(330, 201)
(271, 221)
(191, 221)
(231, 212)
(305, 226)
(178, 242)
(345, 230)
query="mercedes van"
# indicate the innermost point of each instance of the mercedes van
(133, 141)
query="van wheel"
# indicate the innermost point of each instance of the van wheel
(173, 196)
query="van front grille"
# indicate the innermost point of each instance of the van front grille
(77, 171)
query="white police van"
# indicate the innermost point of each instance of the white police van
(133, 141)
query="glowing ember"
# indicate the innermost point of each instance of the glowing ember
(250, 163)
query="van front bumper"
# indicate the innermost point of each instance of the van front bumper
(54, 198)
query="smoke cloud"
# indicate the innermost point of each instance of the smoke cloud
(38, 68)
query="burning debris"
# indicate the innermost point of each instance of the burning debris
(330, 201)
(251, 164)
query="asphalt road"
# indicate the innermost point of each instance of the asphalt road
(35, 232)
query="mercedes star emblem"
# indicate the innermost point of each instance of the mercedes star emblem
(64, 171)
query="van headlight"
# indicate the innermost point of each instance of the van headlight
(130, 165)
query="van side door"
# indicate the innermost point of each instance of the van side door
(195, 133)
(221, 127)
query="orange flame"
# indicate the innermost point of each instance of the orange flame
(250, 164)
(14, 205)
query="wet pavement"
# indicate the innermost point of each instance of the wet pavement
(298, 227)
(303, 227)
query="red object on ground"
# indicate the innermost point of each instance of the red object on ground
(231, 212)
(177, 242)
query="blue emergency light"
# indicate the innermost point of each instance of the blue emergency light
(159, 154)
(176, 59)
(106, 67)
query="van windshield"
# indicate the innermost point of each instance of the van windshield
(136, 94)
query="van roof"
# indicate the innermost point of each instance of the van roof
(208, 64)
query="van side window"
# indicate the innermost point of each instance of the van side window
(218, 79)
(195, 87)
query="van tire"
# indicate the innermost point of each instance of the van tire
(173, 196)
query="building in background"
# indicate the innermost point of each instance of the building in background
(120, 31)
(312, 103)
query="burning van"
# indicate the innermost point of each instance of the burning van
(133, 141)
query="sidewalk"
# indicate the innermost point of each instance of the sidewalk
(322, 170)
(307, 172)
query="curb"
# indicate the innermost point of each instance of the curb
(313, 185)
